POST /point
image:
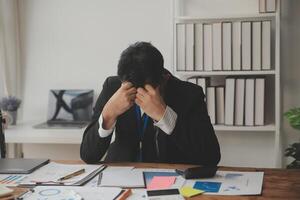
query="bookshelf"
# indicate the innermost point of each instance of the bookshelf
(224, 73)
(272, 76)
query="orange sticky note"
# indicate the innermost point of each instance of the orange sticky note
(161, 182)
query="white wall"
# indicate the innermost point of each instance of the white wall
(77, 43)
(290, 63)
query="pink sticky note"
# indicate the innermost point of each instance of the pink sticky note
(161, 182)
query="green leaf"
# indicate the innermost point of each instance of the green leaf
(293, 116)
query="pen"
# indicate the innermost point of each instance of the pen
(81, 171)
(125, 194)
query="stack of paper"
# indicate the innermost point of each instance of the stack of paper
(50, 173)
(230, 183)
(72, 192)
(11, 179)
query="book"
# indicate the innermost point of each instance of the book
(229, 101)
(20, 165)
(208, 48)
(256, 45)
(203, 82)
(189, 47)
(220, 105)
(266, 45)
(259, 101)
(270, 5)
(236, 45)
(239, 102)
(249, 102)
(199, 47)
(180, 47)
(262, 6)
(217, 46)
(246, 45)
(226, 46)
(211, 103)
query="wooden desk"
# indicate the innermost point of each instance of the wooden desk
(279, 184)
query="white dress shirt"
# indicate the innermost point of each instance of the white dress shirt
(166, 123)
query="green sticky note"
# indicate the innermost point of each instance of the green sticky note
(189, 191)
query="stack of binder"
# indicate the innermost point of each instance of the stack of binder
(224, 46)
(245, 101)
(240, 102)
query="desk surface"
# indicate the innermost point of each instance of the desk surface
(279, 184)
(24, 132)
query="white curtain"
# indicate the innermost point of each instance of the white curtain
(10, 71)
(10, 78)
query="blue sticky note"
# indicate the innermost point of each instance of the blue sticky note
(208, 186)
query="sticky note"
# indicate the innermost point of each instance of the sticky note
(161, 182)
(189, 191)
(208, 186)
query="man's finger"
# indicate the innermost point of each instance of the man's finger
(126, 85)
(142, 91)
(131, 91)
(138, 101)
(149, 88)
(138, 95)
(132, 96)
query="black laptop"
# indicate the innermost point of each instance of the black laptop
(68, 109)
(20, 166)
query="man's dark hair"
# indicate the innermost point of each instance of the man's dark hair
(141, 63)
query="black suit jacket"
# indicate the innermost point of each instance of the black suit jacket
(193, 139)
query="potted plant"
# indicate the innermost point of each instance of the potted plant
(293, 116)
(10, 105)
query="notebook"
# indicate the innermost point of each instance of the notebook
(68, 109)
(20, 166)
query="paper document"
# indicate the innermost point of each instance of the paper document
(50, 173)
(138, 194)
(93, 182)
(190, 192)
(125, 177)
(230, 183)
(161, 182)
(150, 173)
(11, 179)
(72, 192)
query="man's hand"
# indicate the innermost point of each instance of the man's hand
(119, 103)
(150, 100)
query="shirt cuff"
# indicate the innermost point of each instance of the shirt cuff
(168, 121)
(102, 132)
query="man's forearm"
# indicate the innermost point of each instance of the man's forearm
(109, 119)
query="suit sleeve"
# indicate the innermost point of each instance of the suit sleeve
(93, 147)
(194, 134)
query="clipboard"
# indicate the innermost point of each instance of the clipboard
(81, 182)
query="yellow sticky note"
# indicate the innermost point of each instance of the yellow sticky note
(189, 191)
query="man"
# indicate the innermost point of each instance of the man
(156, 117)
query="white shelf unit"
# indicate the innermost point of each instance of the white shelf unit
(273, 74)
(212, 19)
(224, 73)
(266, 128)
